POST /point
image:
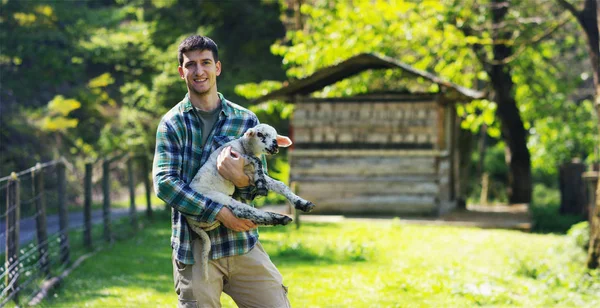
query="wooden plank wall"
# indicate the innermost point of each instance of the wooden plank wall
(350, 124)
(378, 155)
(397, 183)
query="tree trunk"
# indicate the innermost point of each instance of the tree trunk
(463, 155)
(589, 20)
(593, 260)
(516, 152)
(513, 131)
(593, 34)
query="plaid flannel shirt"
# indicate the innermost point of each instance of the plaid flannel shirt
(177, 159)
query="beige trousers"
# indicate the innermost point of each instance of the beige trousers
(252, 280)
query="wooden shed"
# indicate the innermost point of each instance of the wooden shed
(377, 153)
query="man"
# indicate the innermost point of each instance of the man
(186, 136)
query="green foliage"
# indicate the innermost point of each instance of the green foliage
(580, 234)
(561, 122)
(569, 131)
(494, 164)
(477, 113)
(118, 60)
(58, 109)
(335, 32)
(545, 211)
(494, 161)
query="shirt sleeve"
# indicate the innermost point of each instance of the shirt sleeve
(169, 186)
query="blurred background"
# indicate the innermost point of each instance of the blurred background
(83, 79)
(89, 80)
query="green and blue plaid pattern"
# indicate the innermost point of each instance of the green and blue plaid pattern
(177, 158)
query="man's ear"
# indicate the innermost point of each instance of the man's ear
(283, 141)
(180, 69)
(218, 68)
(250, 133)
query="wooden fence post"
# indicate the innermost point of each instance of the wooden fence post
(87, 206)
(572, 188)
(132, 210)
(485, 185)
(294, 188)
(590, 178)
(147, 187)
(63, 215)
(40, 218)
(106, 201)
(12, 237)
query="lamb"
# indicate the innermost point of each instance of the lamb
(261, 139)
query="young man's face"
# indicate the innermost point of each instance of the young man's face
(200, 72)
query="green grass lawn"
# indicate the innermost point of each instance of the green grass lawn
(382, 264)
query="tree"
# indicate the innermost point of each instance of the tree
(588, 17)
(472, 43)
(118, 60)
(513, 132)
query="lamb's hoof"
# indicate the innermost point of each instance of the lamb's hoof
(304, 206)
(286, 220)
(279, 219)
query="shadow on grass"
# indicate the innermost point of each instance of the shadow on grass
(297, 253)
(300, 253)
(312, 227)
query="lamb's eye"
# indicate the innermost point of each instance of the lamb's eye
(260, 135)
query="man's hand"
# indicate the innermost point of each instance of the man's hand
(226, 217)
(230, 165)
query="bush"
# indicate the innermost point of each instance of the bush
(580, 234)
(545, 213)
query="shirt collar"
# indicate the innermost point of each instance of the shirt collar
(225, 107)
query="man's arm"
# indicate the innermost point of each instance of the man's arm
(230, 165)
(167, 181)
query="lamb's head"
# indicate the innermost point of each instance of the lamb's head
(263, 139)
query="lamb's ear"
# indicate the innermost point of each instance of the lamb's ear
(250, 133)
(283, 141)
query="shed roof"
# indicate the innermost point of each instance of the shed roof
(354, 65)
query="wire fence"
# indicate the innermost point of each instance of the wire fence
(53, 213)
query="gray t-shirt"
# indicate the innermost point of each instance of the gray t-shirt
(208, 119)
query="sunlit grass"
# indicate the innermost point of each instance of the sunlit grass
(379, 264)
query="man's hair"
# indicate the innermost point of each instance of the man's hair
(197, 42)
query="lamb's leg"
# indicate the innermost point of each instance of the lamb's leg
(282, 189)
(259, 175)
(242, 210)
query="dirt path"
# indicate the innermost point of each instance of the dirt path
(515, 217)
